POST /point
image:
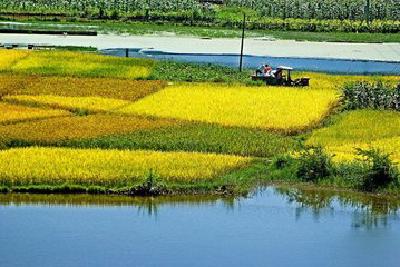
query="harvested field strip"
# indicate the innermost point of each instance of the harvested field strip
(77, 87)
(14, 113)
(55, 166)
(284, 109)
(55, 130)
(360, 128)
(74, 104)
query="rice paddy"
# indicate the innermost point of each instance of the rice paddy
(8, 58)
(55, 130)
(74, 104)
(65, 63)
(69, 118)
(266, 108)
(360, 129)
(129, 132)
(77, 87)
(12, 113)
(57, 166)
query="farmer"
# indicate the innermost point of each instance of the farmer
(267, 70)
(260, 71)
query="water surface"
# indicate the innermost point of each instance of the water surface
(274, 227)
(364, 67)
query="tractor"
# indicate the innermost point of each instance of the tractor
(281, 76)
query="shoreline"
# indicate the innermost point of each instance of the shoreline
(253, 46)
(217, 191)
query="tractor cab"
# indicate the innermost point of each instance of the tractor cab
(281, 76)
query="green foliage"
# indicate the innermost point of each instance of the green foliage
(378, 95)
(313, 165)
(185, 9)
(151, 180)
(381, 171)
(282, 161)
(218, 31)
(152, 186)
(194, 137)
(191, 72)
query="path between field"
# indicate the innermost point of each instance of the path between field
(257, 47)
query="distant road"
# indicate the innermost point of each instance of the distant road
(257, 47)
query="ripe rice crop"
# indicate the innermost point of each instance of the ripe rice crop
(323, 81)
(269, 108)
(159, 134)
(13, 113)
(57, 166)
(360, 129)
(43, 132)
(86, 104)
(82, 87)
(65, 63)
(9, 57)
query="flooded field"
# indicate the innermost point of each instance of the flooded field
(273, 227)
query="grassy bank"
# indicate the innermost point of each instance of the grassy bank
(101, 125)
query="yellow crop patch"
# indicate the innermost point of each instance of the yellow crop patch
(360, 129)
(323, 81)
(65, 63)
(79, 87)
(76, 127)
(268, 108)
(12, 113)
(9, 57)
(90, 104)
(26, 166)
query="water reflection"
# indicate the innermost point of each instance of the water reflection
(273, 227)
(147, 205)
(368, 211)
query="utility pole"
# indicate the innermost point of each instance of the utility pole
(368, 11)
(241, 50)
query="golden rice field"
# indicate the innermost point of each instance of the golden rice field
(76, 127)
(65, 63)
(362, 129)
(78, 87)
(13, 113)
(89, 104)
(8, 58)
(323, 81)
(27, 166)
(267, 108)
(40, 89)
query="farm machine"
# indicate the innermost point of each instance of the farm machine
(281, 76)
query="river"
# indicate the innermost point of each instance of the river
(329, 65)
(272, 227)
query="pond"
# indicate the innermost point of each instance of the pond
(364, 67)
(273, 227)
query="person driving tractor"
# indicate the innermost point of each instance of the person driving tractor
(264, 70)
(267, 70)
